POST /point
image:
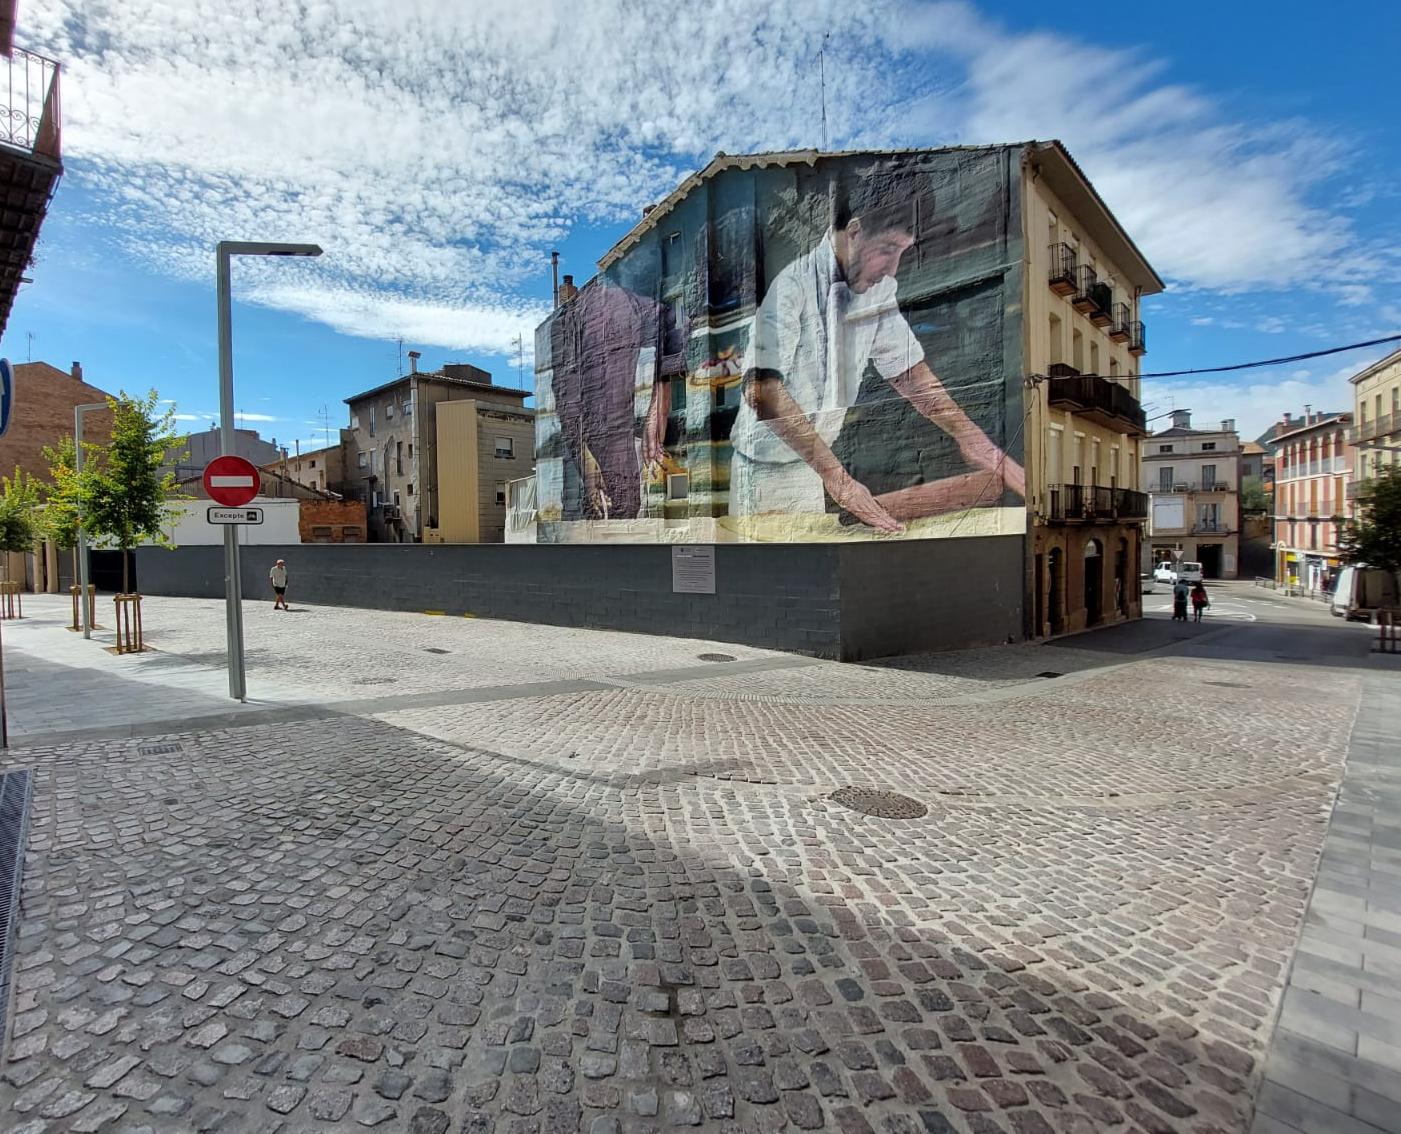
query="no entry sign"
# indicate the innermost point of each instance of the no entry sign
(231, 481)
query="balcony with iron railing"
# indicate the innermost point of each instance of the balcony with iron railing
(1083, 298)
(1166, 487)
(1066, 503)
(1138, 339)
(30, 164)
(1062, 276)
(1123, 319)
(1097, 399)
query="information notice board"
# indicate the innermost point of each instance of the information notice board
(693, 569)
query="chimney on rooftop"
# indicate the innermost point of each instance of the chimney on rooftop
(1308, 415)
(414, 356)
(1228, 425)
(78, 371)
(567, 290)
(1182, 419)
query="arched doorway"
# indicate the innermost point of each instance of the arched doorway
(1094, 582)
(1056, 588)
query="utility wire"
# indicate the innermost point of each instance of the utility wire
(1264, 362)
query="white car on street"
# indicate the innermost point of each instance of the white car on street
(1163, 573)
(1166, 572)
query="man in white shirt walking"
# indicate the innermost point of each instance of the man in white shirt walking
(826, 317)
(278, 578)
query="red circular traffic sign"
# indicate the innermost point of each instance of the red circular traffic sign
(231, 481)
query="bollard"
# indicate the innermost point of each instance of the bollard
(11, 599)
(128, 612)
(92, 607)
(1387, 621)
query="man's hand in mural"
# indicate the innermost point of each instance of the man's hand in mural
(926, 393)
(654, 425)
(594, 493)
(854, 497)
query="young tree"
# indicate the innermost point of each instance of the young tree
(63, 499)
(19, 502)
(125, 496)
(1374, 537)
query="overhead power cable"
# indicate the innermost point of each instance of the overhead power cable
(1262, 362)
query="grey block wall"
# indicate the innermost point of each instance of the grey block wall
(827, 600)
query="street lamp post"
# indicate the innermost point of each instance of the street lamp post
(78, 412)
(233, 583)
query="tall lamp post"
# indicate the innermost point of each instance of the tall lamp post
(233, 586)
(78, 412)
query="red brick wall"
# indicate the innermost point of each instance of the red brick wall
(338, 515)
(43, 413)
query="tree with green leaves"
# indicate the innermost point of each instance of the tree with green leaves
(126, 498)
(20, 497)
(1252, 495)
(59, 519)
(1373, 537)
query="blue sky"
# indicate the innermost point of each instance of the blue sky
(438, 155)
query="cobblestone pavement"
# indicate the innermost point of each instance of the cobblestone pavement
(637, 909)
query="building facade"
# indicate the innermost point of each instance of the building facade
(316, 468)
(431, 454)
(195, 450)
(981, 382)
(1314, 462)
(1193, 477)
(44, 400)
(1376, 432)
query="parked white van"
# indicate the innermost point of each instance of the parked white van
(1189, 571)
(1361, 591)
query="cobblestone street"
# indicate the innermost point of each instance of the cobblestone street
(557, 880)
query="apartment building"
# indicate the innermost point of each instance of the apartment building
(316, 468)
(1193, 477)
(431, 454)
(1084, 425)
(1314, 462)
(1376, 433)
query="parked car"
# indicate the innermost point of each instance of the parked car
(1165, 573)
(1191, 572)
(1147, 584)
(1361, 591)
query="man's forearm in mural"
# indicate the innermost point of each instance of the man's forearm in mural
(923, 390)
(776, 408)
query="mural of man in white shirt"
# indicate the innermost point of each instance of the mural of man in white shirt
(827, 316)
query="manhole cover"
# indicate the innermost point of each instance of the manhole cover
(716, 657)
(880, 804)
(1049, 673)
(435, 650)
(157, 749)
(1228, 684)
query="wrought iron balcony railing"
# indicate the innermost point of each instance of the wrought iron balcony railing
(1085, 282)
(1062, 277)
(1101, 400)
(1123, 316)
(1079, 502)
(29, 112)
(1138, 340)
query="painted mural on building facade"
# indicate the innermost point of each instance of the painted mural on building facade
(794, 353)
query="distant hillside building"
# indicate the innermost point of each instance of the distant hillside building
(431, 454)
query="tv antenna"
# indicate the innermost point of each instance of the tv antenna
(30, 335)
(520, 361)
(326, 424)
(822, 81)
(400, 371)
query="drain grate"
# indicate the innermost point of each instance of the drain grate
(1050, 673)
(716, 657)
(435, 650)
(879, 804)
(15, 791)
(158, 749)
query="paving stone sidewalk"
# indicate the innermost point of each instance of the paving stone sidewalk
(619, 910)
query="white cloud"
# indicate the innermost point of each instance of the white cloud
(438, 151)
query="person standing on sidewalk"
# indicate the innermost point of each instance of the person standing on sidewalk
(278, 578)
(1199, 600)
(1180, 592)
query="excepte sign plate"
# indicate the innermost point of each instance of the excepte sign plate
(235, 515)
(693, 569)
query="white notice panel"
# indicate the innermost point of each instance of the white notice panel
(693, 569)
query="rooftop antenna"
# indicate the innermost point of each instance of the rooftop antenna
(822, 79)
(554, 275)
(326, 424)
(31, 345)
(400, 371)
(520, 361)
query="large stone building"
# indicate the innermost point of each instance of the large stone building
(991, 419)
(431, 454)
(1193, 477)
(316, 468)
(1313, 472)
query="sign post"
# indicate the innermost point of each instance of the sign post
(232, 482)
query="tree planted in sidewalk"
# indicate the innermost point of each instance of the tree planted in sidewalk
(59, 517)
(20, 497)
(126, 498)
(1373, 537)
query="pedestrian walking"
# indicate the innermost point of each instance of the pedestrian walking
(278, 578)
(1180, 593)
(1199, 600)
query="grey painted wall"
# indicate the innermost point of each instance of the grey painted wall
(828, 600)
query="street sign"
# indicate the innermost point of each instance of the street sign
(231, 481)
(235, 515)
(7, 394)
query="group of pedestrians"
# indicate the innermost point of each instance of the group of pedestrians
(1182, 593)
